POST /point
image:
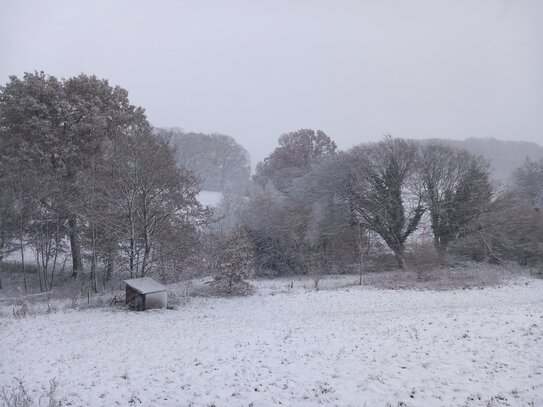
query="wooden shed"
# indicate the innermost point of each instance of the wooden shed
(145, 293)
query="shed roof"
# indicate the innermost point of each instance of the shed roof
(145, 285)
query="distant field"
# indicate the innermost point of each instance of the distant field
(209, 198)
(349, 346)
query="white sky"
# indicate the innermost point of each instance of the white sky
(256, 69)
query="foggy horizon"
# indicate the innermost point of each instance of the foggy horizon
(256, 70)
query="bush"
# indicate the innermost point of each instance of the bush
(422, 259)
(20, 310)
(17, 395)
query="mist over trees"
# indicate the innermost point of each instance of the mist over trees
(84, 176)
(504, 157)
(387, 197)
(280, 213)
(222, 164)
(296, 153)
(512, 228)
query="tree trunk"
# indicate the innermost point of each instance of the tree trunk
(75, 246)
(94, 263)
(146, 251)
(398, 254)
(55, 257)
(109, 266)
(23, 262)
(360, 260)
(40, 277)
(52, 279)
(441, 250)
(400, 260)
(132, 253)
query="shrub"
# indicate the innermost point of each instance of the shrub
(17, 395)
(422, 259)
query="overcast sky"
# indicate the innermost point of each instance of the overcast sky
(256, 69)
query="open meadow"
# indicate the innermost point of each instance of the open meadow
(287, 344)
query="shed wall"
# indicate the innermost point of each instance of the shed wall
(134, 299)
(156, 300)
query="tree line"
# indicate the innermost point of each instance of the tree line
(83, 173)
(312, 204)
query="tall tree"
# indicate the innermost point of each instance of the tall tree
(148, 196)
(280, 210)
(513, 229)
(55, 127)
(456, 191)
(528, 182)
(296, 153)
(377, 181)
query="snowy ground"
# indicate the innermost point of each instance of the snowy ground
(209, 198)
(350, 346)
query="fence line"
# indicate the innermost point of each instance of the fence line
(25, 296)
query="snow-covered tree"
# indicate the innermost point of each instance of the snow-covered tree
(54, 128)
(294, 157)
(376, 181)
(235, 262)
(456, 190)
(85, 165)
(512, 227)
(150, 201)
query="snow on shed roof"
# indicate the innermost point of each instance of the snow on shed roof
(145, 285)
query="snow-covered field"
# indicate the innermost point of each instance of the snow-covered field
(350, 346)
(209, 198)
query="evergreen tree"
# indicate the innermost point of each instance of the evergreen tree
(235, 261)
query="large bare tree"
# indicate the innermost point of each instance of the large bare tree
(378, 181)
(149, 197)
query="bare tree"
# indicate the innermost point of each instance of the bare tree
(377, 180)
(148, 193)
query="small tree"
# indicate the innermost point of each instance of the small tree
(235, 261)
